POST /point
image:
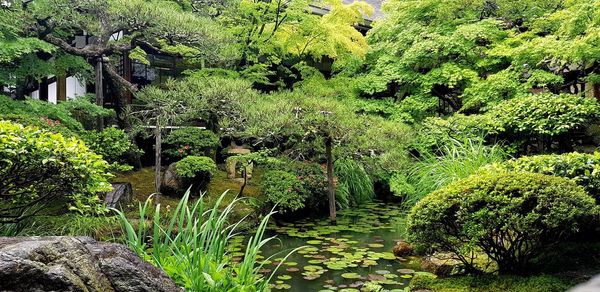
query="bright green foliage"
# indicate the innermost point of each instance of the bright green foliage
(441, 57)
(546, 114)
(112, 144)
(276, 36)
(192, 166)
(284, 189)
(190, 141)
(39, 168)
(190, 246)
(583, 168)
(35, 109)
(356, 180)
(452, 161)
(511, 217)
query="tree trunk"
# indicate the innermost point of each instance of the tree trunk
(99, 92)
(330, 185)
(245, 176)
(157, 164)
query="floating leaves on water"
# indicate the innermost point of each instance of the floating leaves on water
(284, 277)
(406, 276)
(406, 271)
(382, 272)
(314, 242)
(282, 286)
(292, 270)
(350, 276)
(375, 245)
(312, 268)
(290, 264)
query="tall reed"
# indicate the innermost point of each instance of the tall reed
(190, 243)
(355, 179)
(453, 161)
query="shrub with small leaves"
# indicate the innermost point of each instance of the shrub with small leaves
(284, 189)
(190, 141)
(113, 144)
(191, 166)
(582, 168)
(546, 114)
(511, 217)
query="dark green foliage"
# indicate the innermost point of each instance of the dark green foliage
(190, 141)
(87, 112)
(39, 168)
(583, 168)
(113, 144)
(195, 172)
(284, 189)
(353, 177)
(192, 166)
(511, 217)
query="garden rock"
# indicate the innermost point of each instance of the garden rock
(120, 196)
(75, 264)
(441, 264)
(402, 249)
(171, 182)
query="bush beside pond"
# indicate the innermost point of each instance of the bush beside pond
(511, 217)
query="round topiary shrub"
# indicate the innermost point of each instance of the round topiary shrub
(582, 168)
(39, 168)
(284, 189)
(192, 171)
(190, 141)
(511, 217)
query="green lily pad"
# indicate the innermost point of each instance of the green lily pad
(284, 277)
(350, 276)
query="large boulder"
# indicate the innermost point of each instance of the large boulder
(60, 263)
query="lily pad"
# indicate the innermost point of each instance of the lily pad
(350, 276)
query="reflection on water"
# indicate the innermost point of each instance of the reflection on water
(353, 255)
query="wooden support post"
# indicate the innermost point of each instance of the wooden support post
(99, 91)
(61, 88)
(157, 164)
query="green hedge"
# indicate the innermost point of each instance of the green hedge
(511, 217)
(583, 168)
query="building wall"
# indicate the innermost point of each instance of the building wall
(75, 88)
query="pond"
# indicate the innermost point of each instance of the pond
(354, 253)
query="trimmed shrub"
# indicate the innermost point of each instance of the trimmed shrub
(190, 141)
(39, 168)
(583, 168)
(285, 190)
(511, 217)
(113, 144)
(196, 171)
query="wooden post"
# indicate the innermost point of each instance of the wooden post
(61, 88)
(330, 184)
(99, 91)
(157, 164)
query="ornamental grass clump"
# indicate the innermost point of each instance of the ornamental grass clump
(189, 244)
(512, 218)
